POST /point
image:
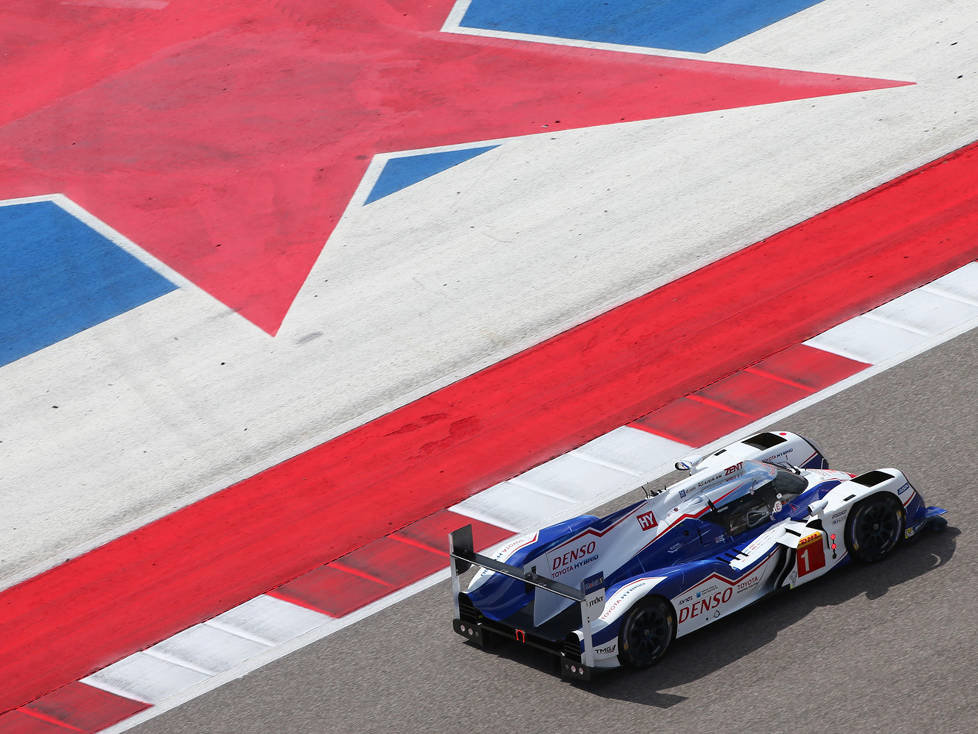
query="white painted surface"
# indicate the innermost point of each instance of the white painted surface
(962, 284)
(208, 649)
(269, 620)
(633, 450)
(146, 678)
(926, 311)
(430, 284)
(514, 506)
(907, 322)
(606, 467)
(575, 478)
(867, 340)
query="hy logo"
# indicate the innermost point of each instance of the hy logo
(646, 521)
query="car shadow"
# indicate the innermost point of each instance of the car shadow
(728, 640)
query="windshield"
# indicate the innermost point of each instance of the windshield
(788, 483)
(756, 508)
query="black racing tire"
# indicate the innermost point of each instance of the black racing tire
(646, 633)
(874, 528)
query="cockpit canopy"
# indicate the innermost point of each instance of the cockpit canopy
(758, 492)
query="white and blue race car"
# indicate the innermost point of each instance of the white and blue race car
(757, 516)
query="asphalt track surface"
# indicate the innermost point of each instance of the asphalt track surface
(887, 647)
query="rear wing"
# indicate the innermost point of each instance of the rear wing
(590, 596)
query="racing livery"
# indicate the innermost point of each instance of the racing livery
(759, 515)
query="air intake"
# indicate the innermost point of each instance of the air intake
(764, 440)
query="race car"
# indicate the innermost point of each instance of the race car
(754, 517)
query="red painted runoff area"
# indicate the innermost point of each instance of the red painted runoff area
(428, 455)
(748, 394)
(227, 138)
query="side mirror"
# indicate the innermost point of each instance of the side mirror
(818, 507)
(689, 463)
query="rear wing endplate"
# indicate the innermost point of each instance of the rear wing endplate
(590, 596)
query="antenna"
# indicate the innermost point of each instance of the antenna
(649, 491)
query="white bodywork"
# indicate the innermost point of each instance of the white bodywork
(789, 553)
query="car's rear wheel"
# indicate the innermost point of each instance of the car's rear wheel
(646, 633)
(874, 528)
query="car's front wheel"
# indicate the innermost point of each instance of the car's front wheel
(646, 633)
(874, 527)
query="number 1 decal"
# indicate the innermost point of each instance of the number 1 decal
(811, 554)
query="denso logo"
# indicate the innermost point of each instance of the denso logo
(707, 603)
(646, 520)
(572, 555)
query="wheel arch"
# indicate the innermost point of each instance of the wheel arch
(892, 499)
(647, 600)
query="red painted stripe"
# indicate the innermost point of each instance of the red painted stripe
(21, 721)
(699, 397)
(383, 566)
(47, 719)
(432, 531)
(331, 591)
(809, 367)
(85, 707)
(749, 394)
(690, 422)
(340, 565)
(396, 564)
(752, 395)
(424, 457)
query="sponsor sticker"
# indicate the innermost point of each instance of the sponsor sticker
(763, 541)
(705, 604)
(646, 520)
(514, 545)
(625, 593)
(747, 584)
(592, 583)
(733, 469)
(566, 559)
(811, 554)
(708, 480)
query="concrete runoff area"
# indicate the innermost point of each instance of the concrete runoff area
(886, 646)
